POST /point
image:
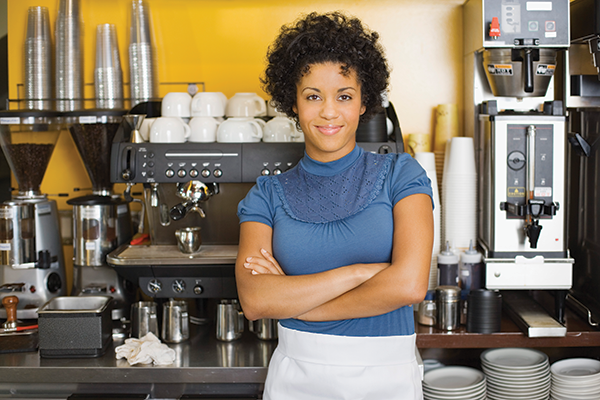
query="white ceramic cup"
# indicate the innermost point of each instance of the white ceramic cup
(145, 129)
(208, 104)
(273, 112)
(169, 130)
(239, 130)
(203, 130)
(176, 104)
(246, 105)
(280, 129)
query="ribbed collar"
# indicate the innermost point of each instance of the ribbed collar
(333, 167)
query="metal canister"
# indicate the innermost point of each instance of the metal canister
(447, 307)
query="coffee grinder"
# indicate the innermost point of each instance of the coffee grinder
(32, 264)
(102, 220)
(511, 48)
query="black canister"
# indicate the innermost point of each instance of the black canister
(373, 130)
(484, 314)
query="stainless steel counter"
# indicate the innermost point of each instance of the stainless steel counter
(203, 365)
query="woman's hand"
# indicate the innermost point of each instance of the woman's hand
(263, 265)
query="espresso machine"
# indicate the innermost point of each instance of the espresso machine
(101, 220)
(196, 185)
(32, 264)
(519, 128)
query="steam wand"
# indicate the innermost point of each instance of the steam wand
(129, 198)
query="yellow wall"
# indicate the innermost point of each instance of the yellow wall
(223, 44)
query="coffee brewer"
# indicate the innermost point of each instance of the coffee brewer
(102, 220)
(511, 48)
(32, 264)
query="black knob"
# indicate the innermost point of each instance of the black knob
(54, 282)
(44, 259)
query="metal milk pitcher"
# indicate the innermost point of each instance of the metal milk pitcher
(230, 320)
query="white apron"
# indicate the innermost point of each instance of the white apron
(311, 366)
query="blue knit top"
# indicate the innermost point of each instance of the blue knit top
(328, 215)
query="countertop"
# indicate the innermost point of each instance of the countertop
(202, 365)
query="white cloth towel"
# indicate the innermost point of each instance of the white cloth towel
(145, 350)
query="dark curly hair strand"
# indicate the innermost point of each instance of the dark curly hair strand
(322, 38)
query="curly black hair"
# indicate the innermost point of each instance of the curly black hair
(322, 38)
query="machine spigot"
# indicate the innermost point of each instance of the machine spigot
(532, 230)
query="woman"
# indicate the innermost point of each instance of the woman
(339, 247)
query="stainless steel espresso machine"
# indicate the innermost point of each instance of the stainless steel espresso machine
(189, 185)
(511, 48)
(32, 264)
(102, 220)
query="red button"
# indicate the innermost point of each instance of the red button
(495, 28)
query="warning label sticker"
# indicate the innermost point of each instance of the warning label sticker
(500, 69)
(545, 69)
(515, 192)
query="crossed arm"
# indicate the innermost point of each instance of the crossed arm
(352, 291)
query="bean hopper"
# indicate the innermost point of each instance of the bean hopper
(32, 264)
(101, 220)
(511, 51)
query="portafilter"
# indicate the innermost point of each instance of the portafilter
(192, 192)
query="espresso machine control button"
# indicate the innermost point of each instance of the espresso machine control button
(181, 173)
(178, 286)
(205, 173)
(193, 173)
(277, 171)
(150, 174)
(265, 172)
(170, 173)
(218, 173)
(154, 286)
(198, 290)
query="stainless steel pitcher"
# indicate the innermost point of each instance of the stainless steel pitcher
(230, 320)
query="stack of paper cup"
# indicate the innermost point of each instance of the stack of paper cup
(446, 127)
(427, 161)
(38, 60)
(142, 65)
(459, 197)
(108, 75)
(68, 57)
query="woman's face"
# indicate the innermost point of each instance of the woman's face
(329, 106)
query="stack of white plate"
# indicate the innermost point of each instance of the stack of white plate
(454, 383)
(516, 374)
(575, 378)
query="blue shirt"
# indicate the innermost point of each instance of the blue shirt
(306, 244)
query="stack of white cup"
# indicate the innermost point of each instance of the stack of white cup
(208, 109)
(459, 193)
(427, 161)
(214, 118)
